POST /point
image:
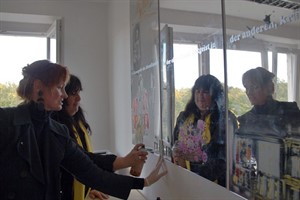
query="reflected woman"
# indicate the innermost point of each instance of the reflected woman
(267, 113)
(200, 133)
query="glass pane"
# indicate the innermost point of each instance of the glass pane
(186, 65)
(282, 78)
(197, 29)
(166, 87)
(145, 77)
(238, 102)
(263, 91)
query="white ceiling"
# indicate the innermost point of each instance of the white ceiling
(236, 8)
(39, 24)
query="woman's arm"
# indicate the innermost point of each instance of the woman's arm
(87, 172)
(112, 162)
(134, 157)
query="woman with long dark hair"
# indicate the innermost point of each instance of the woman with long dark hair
(200, 131)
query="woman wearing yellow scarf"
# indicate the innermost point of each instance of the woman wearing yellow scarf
(199, 134)
(73, 117)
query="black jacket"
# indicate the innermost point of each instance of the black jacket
(215, 166)
(269, 119)
(24, 175)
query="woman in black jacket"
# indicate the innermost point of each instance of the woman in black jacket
(34, 147)
(73, 117)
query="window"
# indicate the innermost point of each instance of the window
(186, 71)
(21, 46)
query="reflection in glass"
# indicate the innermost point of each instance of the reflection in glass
(186, 65)
(145, 92)
(166, 87)
(200, 132)
(270, 39)
(258, 35)
(196, 32)
(268, 127)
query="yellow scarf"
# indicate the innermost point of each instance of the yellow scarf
(79, 188)
(206, 136)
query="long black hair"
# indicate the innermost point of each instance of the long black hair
(211, 84)
(73, 86)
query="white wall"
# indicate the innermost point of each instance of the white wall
(119, 76)
(84, 49)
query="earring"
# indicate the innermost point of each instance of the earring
(40, 101)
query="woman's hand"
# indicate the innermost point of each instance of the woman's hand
(136, 156)
(179, 160)
(159, 171)
(95, 194)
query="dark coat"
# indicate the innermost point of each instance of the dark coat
(24, 175)
(269, 119)
(214, 168)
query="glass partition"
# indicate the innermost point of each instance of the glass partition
(262, 146)
(265, 155)
(145, 76)
(196, 35)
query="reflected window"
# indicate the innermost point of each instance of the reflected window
(187, 67)
(186, 71)
(238, 62)
(281, 72)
